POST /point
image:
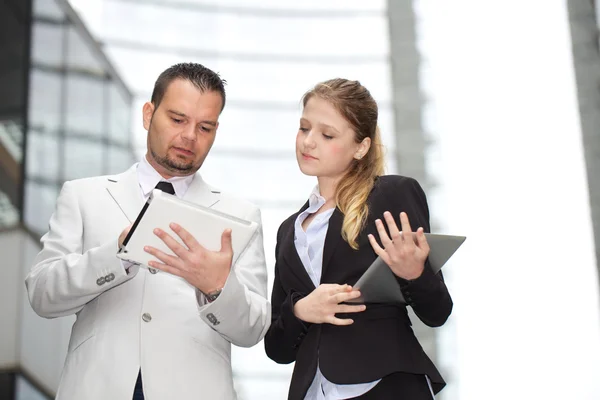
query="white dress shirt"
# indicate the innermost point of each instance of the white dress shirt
(148, 178)
(309, 246)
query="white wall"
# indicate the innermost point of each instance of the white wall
(509, 157)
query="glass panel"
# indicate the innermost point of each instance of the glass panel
(43, 155)
(266, 6)
(258, 179)
(47, 9)
(247, 34)
(9, 214)
(80, 56)
(45, 101)
(11, 139)
(85, 105)
(119, 112)
(40, 201)
(119, 160)
(82, 158)
(26, 391)
(256, 81)
(47, 44)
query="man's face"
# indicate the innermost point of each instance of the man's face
(182, 129)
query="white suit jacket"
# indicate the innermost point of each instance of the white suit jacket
(146, 319)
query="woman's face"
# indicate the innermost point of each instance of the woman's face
(325, 144)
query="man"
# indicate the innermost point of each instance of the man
(164, 331)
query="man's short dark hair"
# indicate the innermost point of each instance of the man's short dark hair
(203, 78)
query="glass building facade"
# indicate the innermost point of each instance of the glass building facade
(64, 114)
(79, 111)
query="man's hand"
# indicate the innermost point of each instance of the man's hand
(123, 235)
(204, 269)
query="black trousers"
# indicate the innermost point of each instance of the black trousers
(399, 386)
(138, 392)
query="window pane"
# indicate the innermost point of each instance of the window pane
(258, 179)
(40, 201)
(9, 215)
(47, 44)
(43, 156)
(119, 160)
(256, 81)
(273, 5)
(246, 33)
(79, 54)
(119, 112)
(85, 105)
(48, 9)
(45, 101)
(82, 158)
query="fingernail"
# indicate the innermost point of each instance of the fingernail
(156, 231)
(146, 248)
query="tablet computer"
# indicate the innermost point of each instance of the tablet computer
(204, 224)
(379, 285)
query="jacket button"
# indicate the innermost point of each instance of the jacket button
(146, 317)
(100, 281)
(153, 270)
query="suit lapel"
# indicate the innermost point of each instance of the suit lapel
(332, 238)
(290, 254)
(202, 194)
(125, 191)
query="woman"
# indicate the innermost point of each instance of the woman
(346, 350)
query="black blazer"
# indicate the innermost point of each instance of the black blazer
(381, 340)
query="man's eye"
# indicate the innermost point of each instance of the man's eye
(177, 121)
(327, 137)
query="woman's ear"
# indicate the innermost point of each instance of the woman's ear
(363, 148)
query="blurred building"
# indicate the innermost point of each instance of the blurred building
(64, 114)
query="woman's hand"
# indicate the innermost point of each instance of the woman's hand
(404, 254)
(324, 302)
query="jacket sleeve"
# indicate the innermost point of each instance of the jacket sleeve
(63, 278)
(241, 313)
(427, 294)
(286, 332)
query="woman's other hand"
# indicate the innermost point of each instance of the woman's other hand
(324, 302)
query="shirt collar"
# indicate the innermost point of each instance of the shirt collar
(148, 178)
(315, 201)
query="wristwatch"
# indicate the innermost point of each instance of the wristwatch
(212, 296)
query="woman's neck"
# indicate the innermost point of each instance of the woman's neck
(327, 188)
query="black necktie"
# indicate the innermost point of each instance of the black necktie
(166, 187)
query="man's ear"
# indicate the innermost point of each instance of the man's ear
(147, 112)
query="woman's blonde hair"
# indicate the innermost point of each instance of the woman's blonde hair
(354, 102)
